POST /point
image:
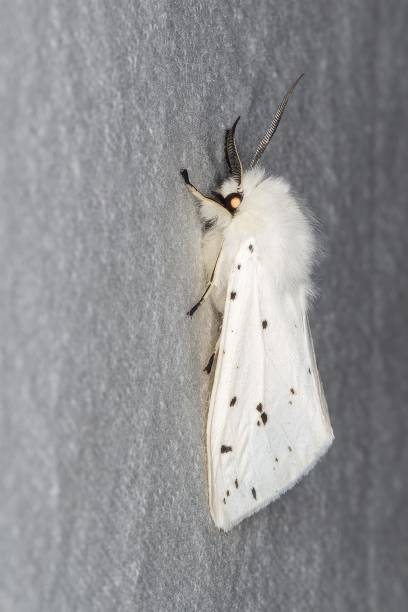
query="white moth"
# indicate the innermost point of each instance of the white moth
(268, 422)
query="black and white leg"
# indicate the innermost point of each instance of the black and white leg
(209, 365)
(206, 292)
(192, 189)
(200, 301)
(203, 199)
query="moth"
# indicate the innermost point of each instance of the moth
(268, 422)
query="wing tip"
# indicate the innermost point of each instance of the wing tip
(227, 526)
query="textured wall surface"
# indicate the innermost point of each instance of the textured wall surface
(103, 486)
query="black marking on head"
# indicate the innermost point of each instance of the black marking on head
(209, 224)
(239, 266)
(233, 401)
(227, 492)
(236, 483)
(264, 417)
(218, 197)
(253, 492)
(292, 391)
(233, 295)
(226, 449)
(309, 370)
(259, 407)
(276, 459)
(251, 248)
(264, 324)
(290, 449)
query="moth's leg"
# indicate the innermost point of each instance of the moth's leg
(209, 365)
(201, 300)
(203, 199)
(206, 292)
(193, 190)
(184, 174)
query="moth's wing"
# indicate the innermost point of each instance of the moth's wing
(267, 422)
(315, 373)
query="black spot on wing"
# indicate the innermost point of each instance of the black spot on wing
(253, 493)
(227, 493)
(239, 266)
(226, 449)
(251, 248)
(290, 449)
(276, 459)
(259, 407)
(292, 391)
(233, 401)
(264, 324)
(224, 501)
(309, 370)
(236, 483)
(233, 295)
(264, 417)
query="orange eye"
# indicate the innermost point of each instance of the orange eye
(235, 202)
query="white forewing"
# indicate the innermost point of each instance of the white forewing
(268, 422)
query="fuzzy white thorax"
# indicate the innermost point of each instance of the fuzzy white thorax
(270, 214)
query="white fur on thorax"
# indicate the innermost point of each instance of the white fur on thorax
(270, 214)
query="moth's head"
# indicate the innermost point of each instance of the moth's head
(232, 192)
(231, 201)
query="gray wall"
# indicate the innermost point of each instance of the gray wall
(103, 494)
